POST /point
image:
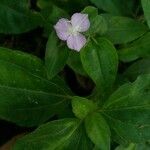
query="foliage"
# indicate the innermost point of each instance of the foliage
(35, 92)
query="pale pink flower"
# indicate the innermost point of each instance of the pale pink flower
(70, 31)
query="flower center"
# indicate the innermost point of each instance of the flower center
(73, 31)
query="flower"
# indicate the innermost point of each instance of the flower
(70, 31)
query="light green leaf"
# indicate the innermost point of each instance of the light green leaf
(16, 17)
(56, 135)
(146, 8)
(123, 29)
(56, 56)
(137, 49)
(100, 61)
(82, 107)
(128, 110)
(98, 131)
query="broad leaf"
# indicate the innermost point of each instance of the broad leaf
(56, 56)
(56, 135)
(26, 61)
(16, 17)
(137, 49)
(146, 8)
(100, 61)
(98, 131)
(26, 98)
(123, 29)
(128, 110)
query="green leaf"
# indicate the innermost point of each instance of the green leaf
(98, 24)
(122, 29)
(56, 56)
(138, 68)
(146, 8)
(133, 146)
(100, 61)
(128, 110)
(26, 97)
(16, 17)
(129, 147)
(91, 11)
(56, 135)
(26, 61)
(117, 7)
(82, 107)
(74, 62)
(98, 131)
(135, 50)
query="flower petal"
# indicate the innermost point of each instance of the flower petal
(62, 28)
(80, 22)
(76, 42)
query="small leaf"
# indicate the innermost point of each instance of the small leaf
(98, 131)
(146, 8)
(122, 29)
(56, 56)
(91, 11)
(82, 107)
(98, 24)
(100, 61)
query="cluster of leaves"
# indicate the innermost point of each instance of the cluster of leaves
(32, 92)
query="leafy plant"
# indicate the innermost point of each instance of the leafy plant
(112, 67)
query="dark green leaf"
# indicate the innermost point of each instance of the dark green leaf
(123, 29)
(56, 55)
(137, 49)
(117, 7)
(51, 14)
(128, 110)
(25, 61)
(74, 62)
(100, 61)
(98, 131)
(16, 17)
(138, 68)
(26, 98)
